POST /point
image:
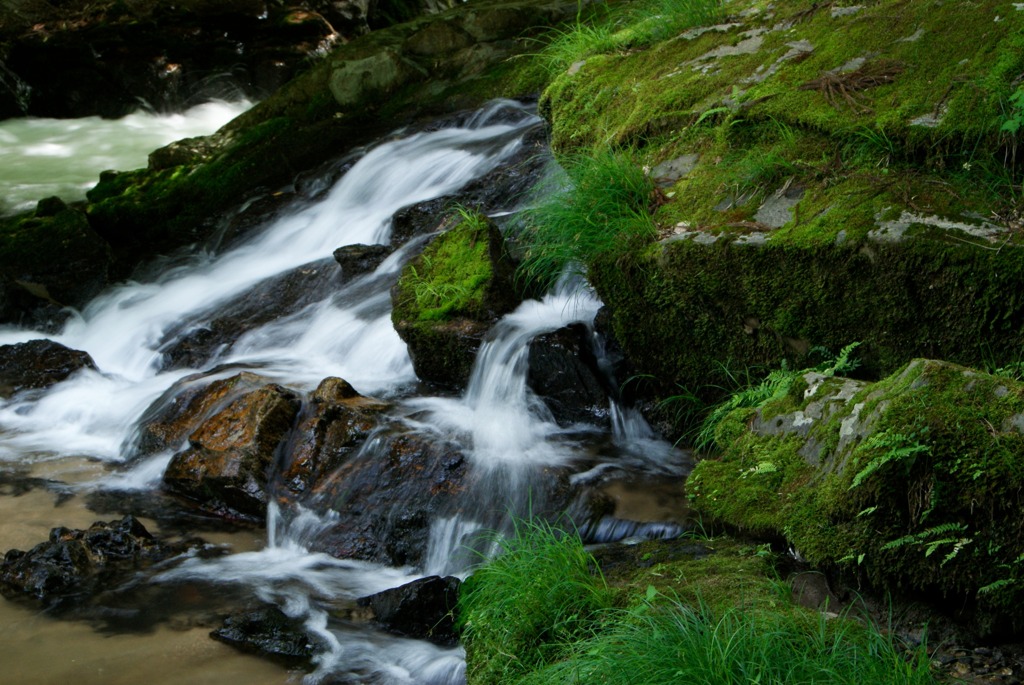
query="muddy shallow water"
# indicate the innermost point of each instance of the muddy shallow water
(36, 649)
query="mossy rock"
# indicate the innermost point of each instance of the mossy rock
(450, 296)
(827, 174)
(53, 255)
(686, 308)
(915, 482)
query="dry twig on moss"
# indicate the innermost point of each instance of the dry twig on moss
(840, 87)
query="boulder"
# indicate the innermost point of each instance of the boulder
(269, 633)
(450, 296)
(226, 468)
(174, 416)
(564, 372)
(329, 430)
(73, 566)
(914, 482)
(38, 364)
(424, 609)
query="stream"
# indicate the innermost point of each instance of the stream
(76, 439)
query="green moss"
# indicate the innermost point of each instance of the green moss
(451, 277)
(928, 501)
(54, 254)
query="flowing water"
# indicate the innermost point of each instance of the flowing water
(75, 438)
(44, 157)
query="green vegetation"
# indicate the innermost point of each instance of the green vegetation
(542, 613)
(526, 607)
(451, 276)
(776, 385)
(672, 642)
(602, 209)
(913, 483)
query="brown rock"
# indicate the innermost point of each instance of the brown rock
(226, 467)
(330, 428)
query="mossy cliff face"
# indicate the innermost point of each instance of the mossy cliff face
(827, 174)
(370, 86)
(914, 481)
(450, 296)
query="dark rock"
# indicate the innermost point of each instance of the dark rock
(74, 565)
(329, 430)
(268, 632)
(108, 57)
(386, 496)
(423, 609)
(563, 371)
(356, 260)
(225, 469)
(38, 364)
(193, 343)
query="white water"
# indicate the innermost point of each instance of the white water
(64, 157)
(122, 330)
(507, 432)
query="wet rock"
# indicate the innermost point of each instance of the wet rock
(356, 260)
(563, 371)
(194, 343)
(450, 296)
(423, 609)
(74, 565)
(38, 364)
(168, 422)
(497, 191)
(225, 469)
(268, 632)
(329, 430)
(386, 496)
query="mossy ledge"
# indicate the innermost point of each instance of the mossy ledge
(913, 483)
(826, 174)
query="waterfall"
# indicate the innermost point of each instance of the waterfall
(514, 449)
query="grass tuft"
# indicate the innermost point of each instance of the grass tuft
(675, 643)
(522, 609)
(603, 207)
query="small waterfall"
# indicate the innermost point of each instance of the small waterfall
(515, 453)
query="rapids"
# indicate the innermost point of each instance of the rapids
(75, 438)
(43, 157)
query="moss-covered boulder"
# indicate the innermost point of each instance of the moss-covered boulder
(914, 482)
(826, 174)
(450, 296)
(53, 256)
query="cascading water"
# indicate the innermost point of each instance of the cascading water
(510, 440)
(44, 157)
